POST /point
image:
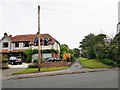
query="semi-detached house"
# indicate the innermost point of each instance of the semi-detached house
(15, 45)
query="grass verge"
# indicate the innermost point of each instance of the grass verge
(93, 63)
(35, 70)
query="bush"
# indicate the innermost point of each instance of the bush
(109, 62)
(4, 61)
(33, 66)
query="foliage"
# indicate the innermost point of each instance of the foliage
(75, 53)
(109, 62)
(33, 66)
(116, 49)
(63, 49)
(101, 47)
(92, 63)
(30, 52)
(4, 61)
(87, 46)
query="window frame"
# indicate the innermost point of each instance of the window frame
(26, 44)
(5, 46)
(16, 43)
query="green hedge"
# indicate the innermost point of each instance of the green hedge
(109, 62)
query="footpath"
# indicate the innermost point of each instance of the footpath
(74, 69)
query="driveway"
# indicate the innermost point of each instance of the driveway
(13, 69)
(23, 65)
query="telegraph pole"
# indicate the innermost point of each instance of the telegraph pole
(39, 51)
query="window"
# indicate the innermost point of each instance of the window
(16, 44)
(26, 44)
(5, 44)
(46, 40)
(36, 41)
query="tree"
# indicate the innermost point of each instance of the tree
(63, 49)
(76, 52)
(100, 46)
(28, 54)
(86, 46)
(116, 49)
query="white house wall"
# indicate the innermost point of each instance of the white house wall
(1, 44)
(56, 46)
(20, 46)
(43, 47)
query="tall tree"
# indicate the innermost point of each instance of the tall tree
(116, 50)
(76, 52)
(87, 46)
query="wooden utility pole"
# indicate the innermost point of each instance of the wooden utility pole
(39, 51)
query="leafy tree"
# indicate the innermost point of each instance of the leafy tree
(100, 46)
(63, 49)
(28, 54)
(116, 49)
(76, 52)
(86, 46)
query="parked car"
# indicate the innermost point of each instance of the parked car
(49, 59)
(14, 61)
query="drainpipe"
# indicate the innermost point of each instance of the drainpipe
(10, 47)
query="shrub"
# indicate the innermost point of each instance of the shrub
(4, 61)
(28, 61)
(109, 62)
(33, 66)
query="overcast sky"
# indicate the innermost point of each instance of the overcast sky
(68, 21)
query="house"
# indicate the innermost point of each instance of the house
(15, 45)
(118, 25)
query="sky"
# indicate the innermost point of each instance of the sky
(68, 21)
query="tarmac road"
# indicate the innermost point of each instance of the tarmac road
(104, 79)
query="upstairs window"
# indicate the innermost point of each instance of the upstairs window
(5, 44)
(26, 44)
(16, 44)
(36, 41)
(46, 40)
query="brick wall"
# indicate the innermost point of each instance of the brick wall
(54, 64)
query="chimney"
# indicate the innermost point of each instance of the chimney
(10, 35)
(5, 34)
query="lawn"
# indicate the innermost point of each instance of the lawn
(35, 70)
(92, 63)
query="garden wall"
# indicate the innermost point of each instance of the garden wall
(54, 64)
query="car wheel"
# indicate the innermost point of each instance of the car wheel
(12, 63)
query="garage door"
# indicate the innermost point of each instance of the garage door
(45, 55)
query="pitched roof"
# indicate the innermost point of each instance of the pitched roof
(30, 38)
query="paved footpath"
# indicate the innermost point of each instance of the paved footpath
(74, 69)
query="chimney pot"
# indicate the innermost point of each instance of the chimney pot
(5, 34)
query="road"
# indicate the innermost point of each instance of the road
(104, 79)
